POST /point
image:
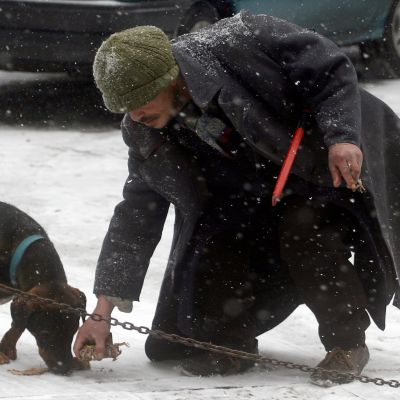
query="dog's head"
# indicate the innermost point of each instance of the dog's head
(52, 327)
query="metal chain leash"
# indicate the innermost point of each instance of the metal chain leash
(199, 344)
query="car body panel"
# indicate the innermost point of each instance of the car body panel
(344, 21)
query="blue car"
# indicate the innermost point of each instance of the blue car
(63, 35)
(372, 25)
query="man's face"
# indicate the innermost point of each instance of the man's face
(158, 112)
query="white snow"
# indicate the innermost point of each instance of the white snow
(69, 181)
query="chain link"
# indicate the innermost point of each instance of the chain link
(199, 344)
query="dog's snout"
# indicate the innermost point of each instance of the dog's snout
(61, 368)
(58, 362)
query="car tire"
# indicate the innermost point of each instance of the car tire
(199, 16)
(381, 58)
(391, 41)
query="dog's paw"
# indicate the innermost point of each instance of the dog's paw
(4, 359)
(8, 353)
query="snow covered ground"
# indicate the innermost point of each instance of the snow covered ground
(63, 161)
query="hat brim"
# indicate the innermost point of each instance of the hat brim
(142, 95)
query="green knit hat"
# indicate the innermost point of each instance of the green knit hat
(133, 66)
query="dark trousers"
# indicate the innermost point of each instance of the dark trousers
(315, 245)
(239, 290)
(242, 289)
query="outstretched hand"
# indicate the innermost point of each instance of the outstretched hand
(95, 332)
(92, 333)
(345, 162)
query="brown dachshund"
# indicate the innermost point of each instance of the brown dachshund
(29, 262)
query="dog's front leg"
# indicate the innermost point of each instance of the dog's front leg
(8, 345)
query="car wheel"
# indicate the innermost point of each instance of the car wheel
(391, 41)
(381, 59)
(199, 16)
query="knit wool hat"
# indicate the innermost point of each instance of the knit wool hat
(133, 66)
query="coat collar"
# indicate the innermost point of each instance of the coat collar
(200, 70)
(142, 140)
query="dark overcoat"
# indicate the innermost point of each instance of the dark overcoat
(263, 72)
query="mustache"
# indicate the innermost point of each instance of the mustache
(149, 118)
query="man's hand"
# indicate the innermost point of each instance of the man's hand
(95, 332)
(345, 161)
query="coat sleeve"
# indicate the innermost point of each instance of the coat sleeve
(322, 75)
(160, 173)
(133, 234)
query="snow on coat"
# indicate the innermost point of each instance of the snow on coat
(264, 72)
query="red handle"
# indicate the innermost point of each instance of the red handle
(287, 165)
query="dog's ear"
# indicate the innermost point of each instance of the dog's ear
(22, 309)
(75, 297)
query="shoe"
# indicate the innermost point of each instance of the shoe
(350, 361)
(208, 364)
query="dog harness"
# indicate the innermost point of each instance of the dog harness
(18, 254)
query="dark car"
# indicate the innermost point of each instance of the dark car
(63, 35)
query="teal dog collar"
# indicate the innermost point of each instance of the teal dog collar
(18, 254)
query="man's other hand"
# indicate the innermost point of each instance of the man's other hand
(345, 162)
